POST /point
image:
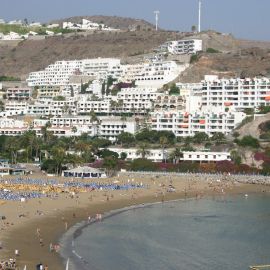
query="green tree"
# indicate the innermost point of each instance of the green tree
(200, 137)
(163, 143)
(249, 141)
(193, 28)
(123, 156)
(176, 155)
(143, 150)
(236, 157)
(174, 90)
(125, 138)
(110, 164)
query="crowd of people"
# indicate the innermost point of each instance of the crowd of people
(8, 265)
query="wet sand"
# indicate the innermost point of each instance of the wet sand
(52, 216)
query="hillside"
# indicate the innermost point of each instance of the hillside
(122, 23)
(32, 55)
(236, 57)
(242, 63)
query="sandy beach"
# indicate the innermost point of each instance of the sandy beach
(31, 226)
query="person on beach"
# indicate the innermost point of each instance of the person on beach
(41, 242)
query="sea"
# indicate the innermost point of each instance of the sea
(213, 233)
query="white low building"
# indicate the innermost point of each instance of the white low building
(158, 155)
(84, 172)
(205, 157)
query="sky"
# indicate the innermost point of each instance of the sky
(247, 19)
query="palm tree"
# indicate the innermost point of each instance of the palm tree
(143, 150)
(46, 134)
(12, 145)
(163, 142)
(59, 157)
(176, 155)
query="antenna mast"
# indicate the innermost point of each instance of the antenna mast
(199, 20)
(157, 17)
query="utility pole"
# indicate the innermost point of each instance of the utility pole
(199, 19)
(157, 17)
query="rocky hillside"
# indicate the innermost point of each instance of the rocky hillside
(236, 57)
(112, 21)
(238, 63)
(32, 55)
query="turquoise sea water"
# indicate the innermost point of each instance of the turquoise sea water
(212, 233)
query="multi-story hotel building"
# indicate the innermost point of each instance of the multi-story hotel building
(19, 94)
(187, 124)
(234, 94)
(189, 46)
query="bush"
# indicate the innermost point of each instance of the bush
(105, 153)
(211, 50)
(174, 90)
(249, 141)
(142, 164)
(194, 58)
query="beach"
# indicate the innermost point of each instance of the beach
(47, 219)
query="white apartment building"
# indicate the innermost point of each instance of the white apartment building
(12, 106)
(55, 74)
(234, 94)
(19, 94)
(98, 106)
(11, 127)
(111, 127)
(188, 46)
(187, 124)
(156, 74)
(107, 127)
(102, 67)
(136, 100)
(60, 72)
(165, 102)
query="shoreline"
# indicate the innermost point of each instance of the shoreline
(52, 225)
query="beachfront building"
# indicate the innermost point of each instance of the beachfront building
(234, 94)
(205, 157)
(159, 155)
(188, 46)
(84, 172)
(18, 94)
(184, 124)
(156, 155)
